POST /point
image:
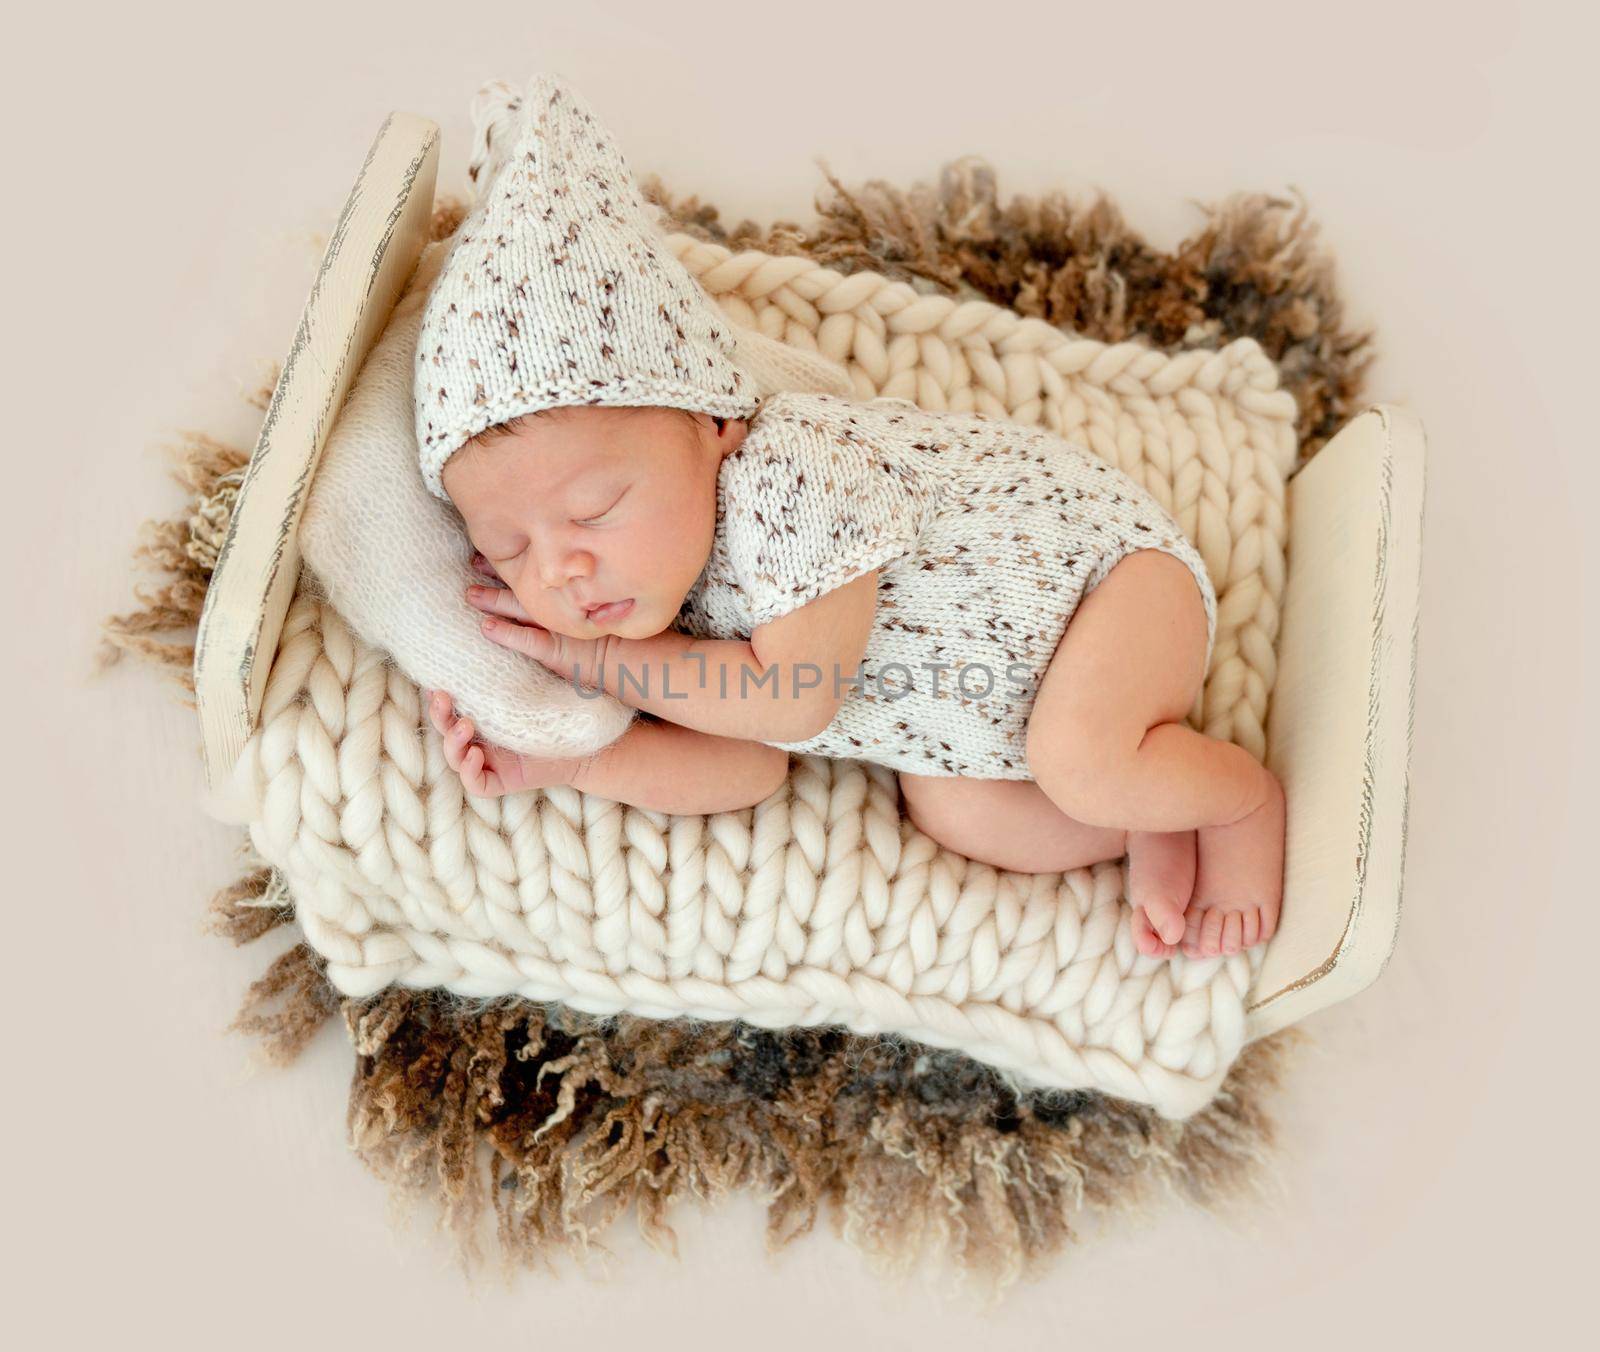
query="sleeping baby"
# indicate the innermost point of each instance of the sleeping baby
(1013, 626)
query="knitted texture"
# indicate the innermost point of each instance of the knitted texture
(558, 289)
(986, 536)
(822, 904)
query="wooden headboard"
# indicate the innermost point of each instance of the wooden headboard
(372, 252)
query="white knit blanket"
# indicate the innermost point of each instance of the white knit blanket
(821, 905)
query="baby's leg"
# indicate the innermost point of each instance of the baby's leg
(1007, 823)
(1107, 741)
(1248, 849)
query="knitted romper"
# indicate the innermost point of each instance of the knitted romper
(986, 535)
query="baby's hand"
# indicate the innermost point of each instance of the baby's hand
(488, 771)
(509, 625)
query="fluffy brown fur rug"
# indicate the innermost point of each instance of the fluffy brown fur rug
(554, 1121)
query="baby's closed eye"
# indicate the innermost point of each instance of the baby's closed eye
(597, 516)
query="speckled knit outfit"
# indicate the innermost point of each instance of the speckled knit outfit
(986, 533)
(559, 290)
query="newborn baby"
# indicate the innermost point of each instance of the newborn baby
(1010, 624)
(1013, 625)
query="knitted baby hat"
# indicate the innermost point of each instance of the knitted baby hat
(560, 289)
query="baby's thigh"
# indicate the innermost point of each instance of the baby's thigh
(1007, 823)
(1133, 655)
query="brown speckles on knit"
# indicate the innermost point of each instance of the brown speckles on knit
(558, 290)
(986, 535)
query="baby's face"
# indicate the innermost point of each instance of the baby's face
(588, 505)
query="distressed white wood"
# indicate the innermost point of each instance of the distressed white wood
(371, 253)
(1339, 725)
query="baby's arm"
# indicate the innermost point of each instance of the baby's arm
(672, 769)
(652, 765)
(783, 685)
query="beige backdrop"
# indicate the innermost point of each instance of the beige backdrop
(172, 165)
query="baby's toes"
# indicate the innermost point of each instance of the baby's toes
(1202, 937)
(1146, 940)
(1216, 931)
(1269, 922)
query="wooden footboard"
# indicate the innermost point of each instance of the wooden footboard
(1339, 725)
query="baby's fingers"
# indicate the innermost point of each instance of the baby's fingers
(472, 770)
(481, 781)
(438, 710)
(456, 739)
(472, 762)
(498, 601)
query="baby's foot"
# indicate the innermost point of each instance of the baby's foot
(1239, 881)
(1161, 872)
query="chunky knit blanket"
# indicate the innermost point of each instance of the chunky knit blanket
(821, 905)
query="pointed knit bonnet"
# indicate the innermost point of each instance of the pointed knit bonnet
(560, 288)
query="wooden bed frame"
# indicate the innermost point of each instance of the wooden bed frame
(1339, 729)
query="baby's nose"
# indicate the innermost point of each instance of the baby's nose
(559, 573)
